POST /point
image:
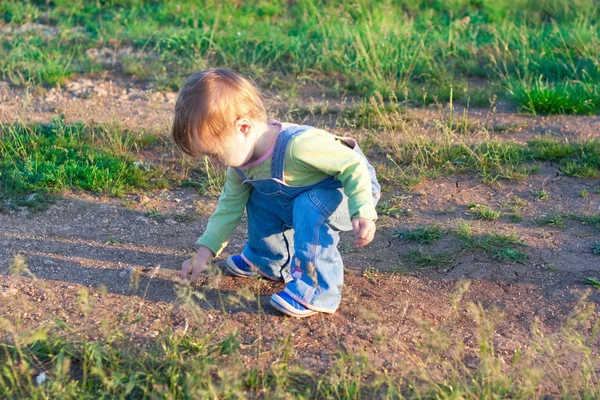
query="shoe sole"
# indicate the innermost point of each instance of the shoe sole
(234, 270)
(287, 309)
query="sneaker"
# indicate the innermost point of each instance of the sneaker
(237, 266)
(287, 305)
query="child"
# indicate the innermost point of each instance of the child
(300, 186)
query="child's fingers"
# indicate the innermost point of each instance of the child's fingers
(185, 269)
(366, 238)
(196, 269)
(365, 231)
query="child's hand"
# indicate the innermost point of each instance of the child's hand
(364, 229)
(190, 269)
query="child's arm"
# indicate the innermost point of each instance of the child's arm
(221, 225)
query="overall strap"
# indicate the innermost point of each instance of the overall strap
(242, 174)
(278, 157)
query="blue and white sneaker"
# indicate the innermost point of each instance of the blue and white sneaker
(287, 305)
(237, 266)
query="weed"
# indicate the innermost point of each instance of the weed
(515, 217)
(112, 241)
(210, 179)
(185, 217)
(556, 220)
(511, 254)
(370, 273)
(346, 248)
(447, 211)
(591, 219)
(484, 212)
(154, 213)
(596, 248)
(551, 267)
(418, 258)
(394, 208)
(539, 194)
(595, 282)
(583, 194)
(422, 235)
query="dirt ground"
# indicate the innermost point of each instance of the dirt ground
(87, 241)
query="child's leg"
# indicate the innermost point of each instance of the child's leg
(317, 266)
(269, 240)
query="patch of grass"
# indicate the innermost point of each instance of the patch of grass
(447, 211)
(155, 214)
(209, 179)
(556, 220)
(184, 217)
(591, 219)
(540, 194)
(421, 235)
(596, 248)
(594, 282)
(112, 241)
(41, 161)
(413, 160)
(551, 267)
(511, 254)
(583, 193)
(418, 258)
(503, 247)
(515, 217)
(490, 242)
(347, 248)
(394, 208)
(581, 169)
(544, 58)
(484, 212)
(569, 97)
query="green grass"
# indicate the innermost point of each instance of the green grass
(421, 235)
(484, 212)
(511, 255)
(209, 179)
(542, 54)
(594, 282)
(416, 159)
(515, 217)
(555, 219)
(571, 97)
(558, 219)
(505, 248)
(420, 259)
(38, 162)
(394, 207)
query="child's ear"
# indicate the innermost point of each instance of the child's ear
(244, 126)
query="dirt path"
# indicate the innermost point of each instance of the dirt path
(85, 241)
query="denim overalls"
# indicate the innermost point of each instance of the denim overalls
(293, 231)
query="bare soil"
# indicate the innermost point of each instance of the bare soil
(88, 242)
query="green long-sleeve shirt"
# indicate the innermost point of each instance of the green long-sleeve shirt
(311, 156)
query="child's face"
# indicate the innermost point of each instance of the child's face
(236, 150)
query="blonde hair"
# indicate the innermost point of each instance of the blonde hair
(208, 106)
